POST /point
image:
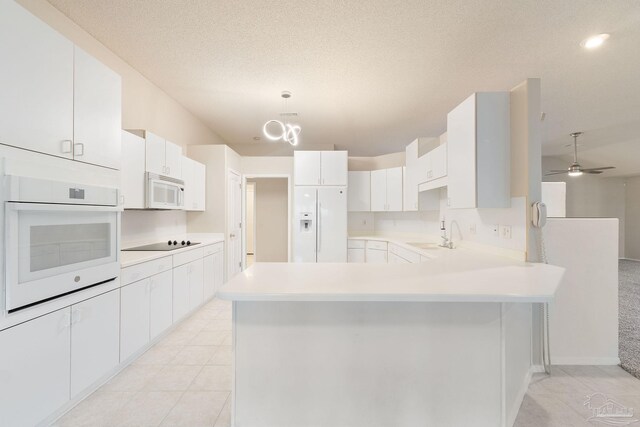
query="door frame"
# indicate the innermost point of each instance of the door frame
(229, 208)
(244, 210)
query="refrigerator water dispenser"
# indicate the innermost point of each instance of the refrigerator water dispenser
(306, 222)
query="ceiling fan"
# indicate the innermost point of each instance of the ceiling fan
(575, 169)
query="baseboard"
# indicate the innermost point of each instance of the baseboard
(537, 369)
(586, 360)
(630, 259)
(520, 397)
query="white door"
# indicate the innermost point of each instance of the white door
(35, 369)
(375, 256)
(134, 317)
(306, 168)
(132, 173)
(196, 283)
(359, 191)
(234, 224)
(173, 160)
(180, 292)
(97, 112)
(95, 338)
(160, 303)
(332, 224)
(154, 149)
(379, 190)
(36, 84)
(394, 189)
(250, 213)
(333, 167)
(461, 161)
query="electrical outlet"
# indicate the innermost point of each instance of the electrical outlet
(505, 231)
(495, 230)
(472, 228)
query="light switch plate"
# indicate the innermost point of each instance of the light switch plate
(505, 231)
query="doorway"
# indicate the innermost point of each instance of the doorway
(267, 207)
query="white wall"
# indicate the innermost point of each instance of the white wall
(591, 196)
(632, 219)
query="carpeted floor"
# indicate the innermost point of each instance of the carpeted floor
(629, 313)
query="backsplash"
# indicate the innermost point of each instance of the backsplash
(143, 226)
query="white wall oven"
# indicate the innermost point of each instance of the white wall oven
(164, 192)
(59, 238)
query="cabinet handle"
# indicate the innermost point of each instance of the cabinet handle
(80, 152)
(67, 144)
(76, 316)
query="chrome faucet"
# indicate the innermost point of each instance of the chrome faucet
(446, 242)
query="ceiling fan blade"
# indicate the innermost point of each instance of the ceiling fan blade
(592, 172)
(598, 169)
(555, 173)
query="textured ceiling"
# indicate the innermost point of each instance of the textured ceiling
(370, 76)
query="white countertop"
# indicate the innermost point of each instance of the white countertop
(129, 258)
(453, 275)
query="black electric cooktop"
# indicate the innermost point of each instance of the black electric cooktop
(170, 245)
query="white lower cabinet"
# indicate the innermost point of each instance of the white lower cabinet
(196, 284)
(180, 292)
(213, 273)
(134, 317)
(160, 303)
(95, 328)
(35, 369)
(376, 256)
(355, 255)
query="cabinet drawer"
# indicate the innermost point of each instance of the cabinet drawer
(145, 269)
(404, 253)
(377, 244)
(355, 244)
(187, 256)
(212, 249)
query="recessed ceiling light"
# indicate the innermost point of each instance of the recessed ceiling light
(594, 41)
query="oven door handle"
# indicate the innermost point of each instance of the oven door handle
(15, 206)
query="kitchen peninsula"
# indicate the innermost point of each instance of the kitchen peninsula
(443, 342)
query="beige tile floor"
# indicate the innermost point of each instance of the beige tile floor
(185, 380)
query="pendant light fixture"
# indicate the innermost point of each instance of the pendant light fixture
(276, 130)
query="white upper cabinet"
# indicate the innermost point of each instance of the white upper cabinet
(359, 194)
(438, 163)
(36, 84)
(194, 176)
(386, 190)
(333, 167)
(478, 160)
(132, 174)
(320, 167)
(97, 112)
(410, 193)
(162, 157)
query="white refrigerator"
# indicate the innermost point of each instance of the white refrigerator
(320, 224)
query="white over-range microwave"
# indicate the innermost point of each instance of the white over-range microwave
(59, 238)
(164, 192)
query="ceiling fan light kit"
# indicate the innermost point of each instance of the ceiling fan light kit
(276, 130)
(575, 169)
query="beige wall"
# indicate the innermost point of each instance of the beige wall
(632, 218)
(144, 105)
(379, 162)
(271, 219)
(268, 148)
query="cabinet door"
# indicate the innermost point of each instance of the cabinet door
(160, 303)
(180, 292)
(394, 189)
(209, 267)
(189, 183)
(219, 272)
(376, 256)
(439, 162)
(95, 338)
(196, 283)
(36, 84)
(97, 112)
(173, 160)
(410, 193)
(306, 168)
(379, 190)
(359, 197)
(200, 180)
(154, 149)
(424, 168)
(461, 163)
(134, 317)
(34, 369)
(355, 255)
(333, 167)
(132, 173)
